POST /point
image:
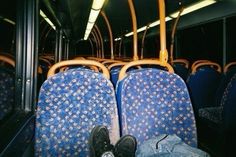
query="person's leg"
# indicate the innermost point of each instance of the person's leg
(125, 147)
(100, 142)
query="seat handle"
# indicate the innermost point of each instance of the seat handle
(144, 62)
(52, 70)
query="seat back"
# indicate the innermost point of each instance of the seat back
(181, 70)
(70, 104)
(7, 91)
(203, 84)
(153, 102)
(228, 103)
(7, 85)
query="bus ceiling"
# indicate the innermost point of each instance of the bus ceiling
(72, 16)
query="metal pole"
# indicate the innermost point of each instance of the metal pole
(91, 44)
(173, 36)
(110, 33)
(60, 46)
(96, 42)
(163, 51)
(56, 53)
(101, 40)
(26, 54)
(135, 35)
(224, 43)
(143, 39)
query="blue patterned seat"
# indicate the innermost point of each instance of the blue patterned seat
(153, 102)
(70, 104)
(7, 91)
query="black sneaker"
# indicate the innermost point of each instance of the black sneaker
(99, 141)
(125, 147)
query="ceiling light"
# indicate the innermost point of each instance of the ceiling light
(194, 7)
(93, 15)
(9, 21)
(47, 19)
(129, 34)
(142, 29)
(97, 4)
(95, 10)
(117, 39)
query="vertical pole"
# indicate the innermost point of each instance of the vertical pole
(224, 43)
(91, 44)
(143, 39)
(100, 39)
(173, 36)
(163, 51)
(96, 42)
(56, 55)
(26, 54)
(135, 35)
(120, 46)
(60, 45)
(110, 33)
(67, 49)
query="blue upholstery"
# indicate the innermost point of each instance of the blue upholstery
(114, 72)
(7, 91)
(221, 121)
(70, 105)
(154, 102)
(228, 103)
(181, 70)
(203, 86)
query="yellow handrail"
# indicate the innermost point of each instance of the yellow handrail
(144, 62)
(110, 61)
(7, 60)
(52, 70)
(215, 65)
(228, 65)
(184, 61)
(199, 61)
(116, 64)
(135, 36)
(163, 52)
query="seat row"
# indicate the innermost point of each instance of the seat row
(147, 102)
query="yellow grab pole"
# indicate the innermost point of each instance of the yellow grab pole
(135, 36)
(163, 52)
(173, 36)
(101, 40)
(110, 32)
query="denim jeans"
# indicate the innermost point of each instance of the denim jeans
(168, 146)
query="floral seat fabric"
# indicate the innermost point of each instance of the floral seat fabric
(70, 105)
(153, 102)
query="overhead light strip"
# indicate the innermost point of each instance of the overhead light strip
(95, 10)
(47, 19)
(191, 8)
